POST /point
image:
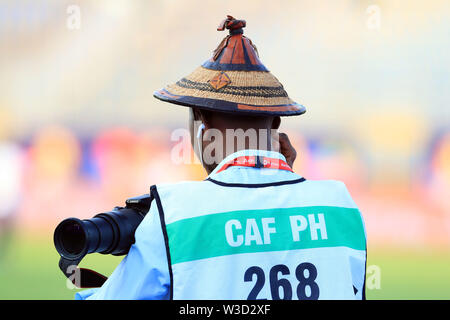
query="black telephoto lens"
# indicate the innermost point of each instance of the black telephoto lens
(108, 233)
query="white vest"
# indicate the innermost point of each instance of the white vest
(294, 240)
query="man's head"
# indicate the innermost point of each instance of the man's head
(225, 133)
(243, 98)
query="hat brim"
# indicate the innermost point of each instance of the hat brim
(292, 109)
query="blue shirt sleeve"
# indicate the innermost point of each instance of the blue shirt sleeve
(143, 274)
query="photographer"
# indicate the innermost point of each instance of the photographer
(253, 229)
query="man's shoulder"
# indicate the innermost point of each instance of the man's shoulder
(180, 184)
(181, 187)
(332, 190)
(335, 185)
(320, 186)
(326, 184)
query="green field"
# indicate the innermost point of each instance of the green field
(29, 270)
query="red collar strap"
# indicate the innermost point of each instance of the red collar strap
(256, 162)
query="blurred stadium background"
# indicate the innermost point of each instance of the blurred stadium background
(80, 131)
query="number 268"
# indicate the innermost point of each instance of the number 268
(276, 283)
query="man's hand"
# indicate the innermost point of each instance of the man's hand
(281, 143)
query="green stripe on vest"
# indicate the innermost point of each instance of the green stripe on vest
(248, 231)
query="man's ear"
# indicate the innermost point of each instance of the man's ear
(276, 123)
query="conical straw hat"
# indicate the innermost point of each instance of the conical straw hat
(232, 80)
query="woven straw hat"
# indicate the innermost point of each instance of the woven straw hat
(233, 80)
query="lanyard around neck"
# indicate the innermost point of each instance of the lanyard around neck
(256, 162)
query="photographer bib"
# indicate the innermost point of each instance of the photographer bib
(294, 240)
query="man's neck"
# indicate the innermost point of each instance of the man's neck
(232, 141)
